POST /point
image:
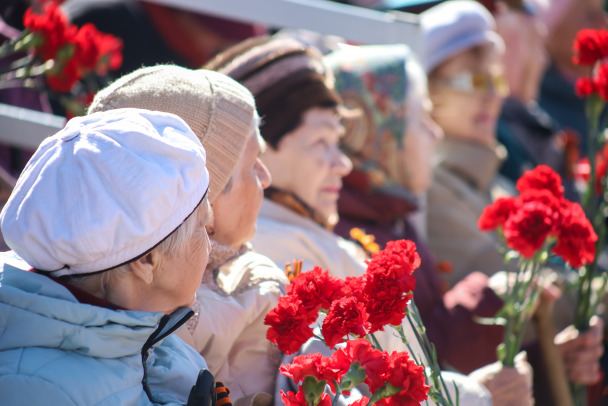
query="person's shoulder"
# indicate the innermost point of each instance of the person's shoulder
(251, 271)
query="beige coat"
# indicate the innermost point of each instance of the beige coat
(229, 326)
(283, 235)
(465, 182)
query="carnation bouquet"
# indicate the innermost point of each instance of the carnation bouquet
(591, 51)
(354, 309)
(535, 225)
(57, 58)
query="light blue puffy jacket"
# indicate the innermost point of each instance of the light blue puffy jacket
(55, 351)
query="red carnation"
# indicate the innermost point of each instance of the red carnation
(373, 361)
(64, 80)
(87, 47)
(388, 283)
(364, 401)
(600, 81)
(346, 316)
(311, 364)
(584, 87)
(110, 53)
(53, 28)
(590, 46)
(316, 289)
(541, 177)
(387, 306)
(527, 230)
(601, 164)
(496, 214)
(289, 325)
(397, 261)
(353, 286)
(405, 374)
(298, 399)
(576, 240)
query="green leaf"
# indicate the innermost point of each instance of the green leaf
(386, 391)
(313, 389)
(353, 377)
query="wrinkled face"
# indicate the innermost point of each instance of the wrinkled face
(237, 207)
(309, 163)
(525, 57)
(179, 277)
(421, 137)
(467, 92)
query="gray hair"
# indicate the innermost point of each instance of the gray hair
(174, 246)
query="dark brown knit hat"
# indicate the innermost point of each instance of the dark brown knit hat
(286, 78)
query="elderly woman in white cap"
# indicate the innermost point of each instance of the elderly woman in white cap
(107, 227)
(240, 286)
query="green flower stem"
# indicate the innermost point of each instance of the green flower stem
(375, 342)
(519, 301)
(438, 392)
(21, 43)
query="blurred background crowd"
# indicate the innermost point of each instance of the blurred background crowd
(491, 94)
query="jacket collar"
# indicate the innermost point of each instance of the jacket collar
(475, 163)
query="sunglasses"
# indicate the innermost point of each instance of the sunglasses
(479, 83)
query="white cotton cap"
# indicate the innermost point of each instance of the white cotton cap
(454, 26)
(106, 189)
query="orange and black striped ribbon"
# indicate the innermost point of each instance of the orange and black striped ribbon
(221, 393)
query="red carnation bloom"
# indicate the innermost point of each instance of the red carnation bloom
(576, 240)
(110, 51)
(315, 365)
(373, 361)
(298, 399)
(346, 316)
(527, 229)
(316, 289)
(496, 214)
(590, 46)
(600, 81)
(87, 47)
(584, 87)
(289, 325)
(397, 262)
(601, 163)
(64, 80)
(388, 281)
(548, 199)
(541, 177)
(403, 373)
(353, 286)
(361, 402)
(387, 306)
(53, 28)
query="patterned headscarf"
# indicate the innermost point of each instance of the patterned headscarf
(372, 81)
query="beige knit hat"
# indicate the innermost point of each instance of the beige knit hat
(219, 110)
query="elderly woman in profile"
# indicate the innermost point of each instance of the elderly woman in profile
(107, 227)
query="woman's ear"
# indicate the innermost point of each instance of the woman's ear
(144, 267)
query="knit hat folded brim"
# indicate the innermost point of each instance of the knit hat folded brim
(220, 111)
(285, 76)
